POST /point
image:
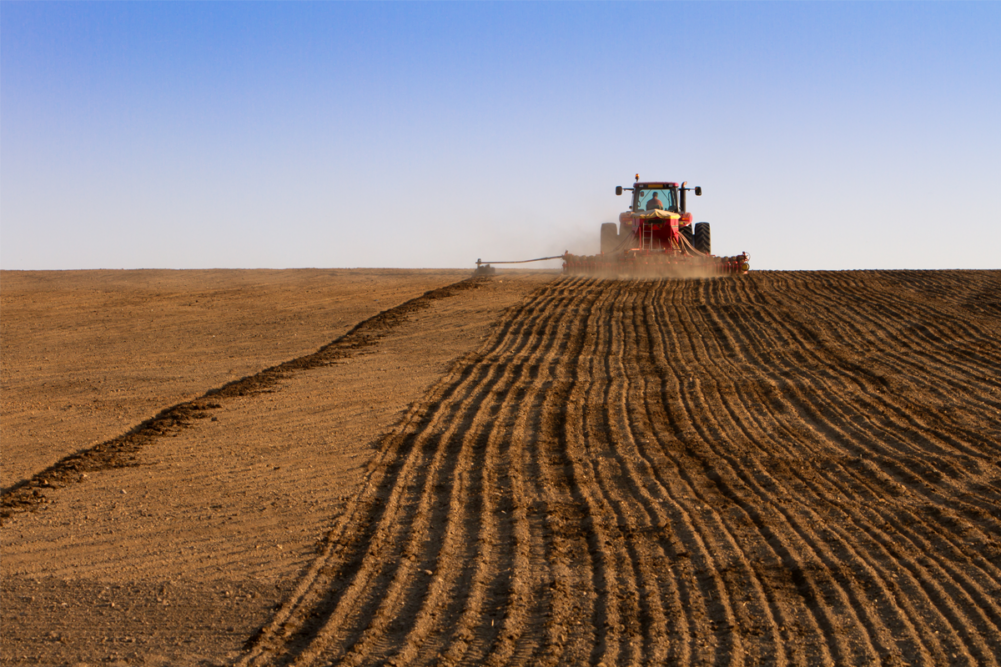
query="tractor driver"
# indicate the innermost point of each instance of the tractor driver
(654, 203)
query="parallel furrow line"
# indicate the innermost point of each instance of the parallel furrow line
(316, 592)
(901, 527)
(796, 547)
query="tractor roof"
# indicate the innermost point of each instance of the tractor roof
(654, 185)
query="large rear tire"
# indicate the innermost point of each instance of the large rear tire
(703, 239)
(609, 237)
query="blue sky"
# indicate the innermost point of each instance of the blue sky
(199, 135)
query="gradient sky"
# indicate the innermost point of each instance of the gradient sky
(200, 135)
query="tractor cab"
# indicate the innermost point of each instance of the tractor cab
(670, 195)
(650, 196)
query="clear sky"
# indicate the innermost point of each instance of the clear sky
(198, 135)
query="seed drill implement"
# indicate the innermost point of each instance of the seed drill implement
(655, 237)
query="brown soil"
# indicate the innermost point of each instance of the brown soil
(222, 499)
(785, 468)
(89, 354)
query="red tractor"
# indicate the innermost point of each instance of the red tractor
(657, 219)
(656, 236)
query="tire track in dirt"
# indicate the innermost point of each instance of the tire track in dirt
(681, 472)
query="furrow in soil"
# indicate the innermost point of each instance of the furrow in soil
(684, 472)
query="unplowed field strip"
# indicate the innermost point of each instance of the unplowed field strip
(121, 451)
(797, 469)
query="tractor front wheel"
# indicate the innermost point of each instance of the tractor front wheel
(703, 239)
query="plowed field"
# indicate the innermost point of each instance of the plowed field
(785, 468)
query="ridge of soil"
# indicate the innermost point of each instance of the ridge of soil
(87, 355)
(121, 451)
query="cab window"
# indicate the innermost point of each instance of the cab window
(645, 199)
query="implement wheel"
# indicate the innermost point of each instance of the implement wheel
(609, 237)
(703, 239)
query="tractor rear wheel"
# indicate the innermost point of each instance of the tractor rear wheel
(703, 239)
(609, 237)
(686, 231)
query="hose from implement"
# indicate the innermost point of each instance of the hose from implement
(520, 261)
